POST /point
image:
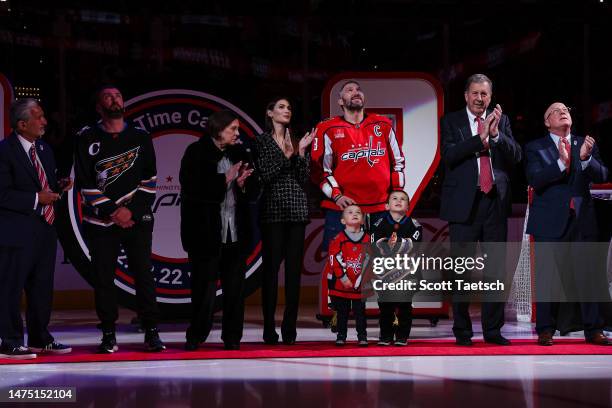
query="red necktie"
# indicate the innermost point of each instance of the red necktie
(486, 175)
(48, 212)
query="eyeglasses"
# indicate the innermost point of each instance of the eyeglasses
(558, 111)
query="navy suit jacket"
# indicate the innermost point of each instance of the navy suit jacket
(459, 150)
(18, 187)
(549, 213)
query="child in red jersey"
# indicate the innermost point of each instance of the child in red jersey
(347, 262)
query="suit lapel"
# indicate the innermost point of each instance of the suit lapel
(466, 132)
(551, 148)
(43, 155)
(23, 158)
(575, 151)
(464, 126)
(575, 159)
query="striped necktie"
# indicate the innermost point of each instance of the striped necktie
(48, 212)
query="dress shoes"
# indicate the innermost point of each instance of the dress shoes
(232, 346)
(463, 341)
(599, 339)
(271, 341)
(499, 340)
(545, 339)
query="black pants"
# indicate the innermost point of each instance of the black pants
(229, 267)
(104, 247)
(281, 241)
(28, 268)
(387, 317)
(343, 307)
(564, 259)
(486, 224)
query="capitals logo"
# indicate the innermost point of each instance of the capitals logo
(355, 264)
(109, 170)
(174, 119)
(366, 152)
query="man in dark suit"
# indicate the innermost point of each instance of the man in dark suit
(28, 240)
(560, 167)
(478, 152)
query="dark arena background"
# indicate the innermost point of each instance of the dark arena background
(178, 62)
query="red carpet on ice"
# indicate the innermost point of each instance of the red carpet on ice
(313, 349)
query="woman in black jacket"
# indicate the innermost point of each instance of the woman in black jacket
(283, 174)
(215, 228)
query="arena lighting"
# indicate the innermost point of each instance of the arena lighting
(27, 92)
(104, 17)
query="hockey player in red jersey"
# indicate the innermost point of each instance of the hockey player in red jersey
(356, 160)
(346, 265)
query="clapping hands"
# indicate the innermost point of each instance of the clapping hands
(305, 142)
(491, 126)
(243, 173)
(587, 148)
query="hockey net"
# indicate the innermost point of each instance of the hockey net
(519, 301)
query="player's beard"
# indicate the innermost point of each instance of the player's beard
(114, 112)
(354, 107)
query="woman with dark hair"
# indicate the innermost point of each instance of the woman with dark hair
(283, 174)
(215, 230)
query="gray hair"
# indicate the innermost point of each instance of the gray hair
(478, 78)
(21, 109)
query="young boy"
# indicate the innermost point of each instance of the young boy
(394, 234)
(347, 261)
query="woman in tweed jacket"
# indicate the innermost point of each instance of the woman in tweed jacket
(283, 216)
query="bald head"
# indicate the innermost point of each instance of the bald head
(558, 119)
(552, 107)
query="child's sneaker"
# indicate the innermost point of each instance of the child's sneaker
(384, 342)
(401, 342)
(340, 342)
(362, 342)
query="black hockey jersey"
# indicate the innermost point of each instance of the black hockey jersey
(407, 229)
(114, 170)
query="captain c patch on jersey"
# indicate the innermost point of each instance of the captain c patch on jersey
(109, 170)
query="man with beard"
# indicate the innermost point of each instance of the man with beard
(115, 172)
(478, 151)
(356, 160)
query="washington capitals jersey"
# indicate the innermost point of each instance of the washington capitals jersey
(347, 261)
(362, 161)
(114, 170)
